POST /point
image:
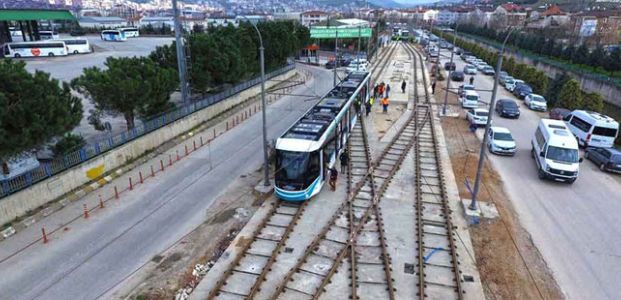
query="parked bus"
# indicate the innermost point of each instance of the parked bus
(77, 46)
(34, 49)
(130, 32)
(48, 35)
(113, 35)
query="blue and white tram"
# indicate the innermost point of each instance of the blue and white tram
(312, 145)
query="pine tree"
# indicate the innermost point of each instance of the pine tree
(581, 55)
(597, 57)
(568, 52)
(570, 96)
(554, 89)
(593, 102)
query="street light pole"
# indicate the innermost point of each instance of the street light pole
(336, 54)
(266, 170)
(448, 80)
(181, 64)
(477, 181)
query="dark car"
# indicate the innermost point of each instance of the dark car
(457, 76)
(450, 66)
(77, 32)
(608, 159)
(507, 108)
(330, 64)
(559, 113)
(522, 90)
(464, 54)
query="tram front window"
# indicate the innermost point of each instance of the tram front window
(296, 170)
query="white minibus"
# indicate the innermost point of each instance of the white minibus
(592, 129)
(555, 151)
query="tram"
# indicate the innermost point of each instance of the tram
(306, 150)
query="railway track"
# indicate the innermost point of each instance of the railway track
(250, 267)
(437, 260)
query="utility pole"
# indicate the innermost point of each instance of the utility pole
(448, 80)
(180, 54)
(336, 54)
(358, 54)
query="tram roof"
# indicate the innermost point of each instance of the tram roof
(316, 121)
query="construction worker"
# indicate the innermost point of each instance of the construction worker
(385, 104)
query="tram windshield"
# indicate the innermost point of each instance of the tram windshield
(296, 169)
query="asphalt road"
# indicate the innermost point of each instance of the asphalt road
(69, 67)
(95, 255)
(576, 227)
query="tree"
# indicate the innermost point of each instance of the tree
(69, 143)
(570, 96)
(129, 86)
(539, 81)
(568, 52)
(555, 87)
(33, 109)
(593, 102)
(597, 57)
(165, 56)
(520, 71)
(581, 55)
(613, 61)
(509, 65)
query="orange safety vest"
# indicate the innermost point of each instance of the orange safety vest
(385, 101)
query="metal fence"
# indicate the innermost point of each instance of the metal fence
(60, 164)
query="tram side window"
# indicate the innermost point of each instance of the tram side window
(330, 147)
(313, 167)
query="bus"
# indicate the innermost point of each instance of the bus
(130, 32)
(113, 35)
(77, 46)
(48, 35)
(34, 49)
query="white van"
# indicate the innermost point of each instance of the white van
(360, 65)
(470, 99)
(555, 151)
(592, 129)
(48, 35)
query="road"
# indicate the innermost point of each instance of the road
(95, 255)
(576, 227)
(69, 67)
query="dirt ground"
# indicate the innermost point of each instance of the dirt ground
(171, 270)
(511, 267)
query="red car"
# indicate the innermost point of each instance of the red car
(559, 113)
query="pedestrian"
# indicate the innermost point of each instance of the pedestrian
(433, 87)
(403, 85)
(385, 103)
(380, 90)
(333, 176)
(344, 161)
(471, 80)
(388, 90)
(368, 106)
(375, 90)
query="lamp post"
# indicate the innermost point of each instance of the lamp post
(266, 170)
(448, 80)
(477, 181)
(181, 64)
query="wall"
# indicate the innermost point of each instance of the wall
(610, 92)
(54, 187)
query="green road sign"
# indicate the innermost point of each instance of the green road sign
(343, 33)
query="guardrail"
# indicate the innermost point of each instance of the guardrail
(92, 150)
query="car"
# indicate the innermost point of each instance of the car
(510, 86)
(470, 59)
(466, 54)
(507, 108)
(77, 32)
(502, 76)
(477, 116)
(470, 99)
(330, 64)
(470, 69)
(481, 65)
(461, 91)
(536, 102)
(522, 90)
(500, 141)
(555, 151)
(488, 70)
(450, 66)
(457, 76)
(559, 113)
(608, 159)
(503, 81)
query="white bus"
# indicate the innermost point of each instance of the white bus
(35, 49)
(48, 35)
(130, 32)
(113, 35)
(77, 46)
(592, 129)
(555, 151)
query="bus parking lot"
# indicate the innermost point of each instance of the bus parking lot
(573, 226)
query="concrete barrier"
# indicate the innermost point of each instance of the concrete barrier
(20, 203)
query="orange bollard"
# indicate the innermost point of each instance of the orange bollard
(140, 174)
(161, 165)
(131, 186)
(85, 211)
(101, 204)
(116, 192)
(177, 151)
(194, 144)
(44, 235)
(152, 172)
(186, 150)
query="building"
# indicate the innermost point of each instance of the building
(551, 17)
(508, 15)
(254, 19)
(313, 17)
(27, 21)
(446, 17)
(294, 16)
(599, 27)
(157, 21)
(102, 22)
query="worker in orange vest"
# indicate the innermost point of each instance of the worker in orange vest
(385, 104)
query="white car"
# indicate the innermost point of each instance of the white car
(536, 102)
(470, 70)
(477, 116)
(510, 86)
(482, 66)
(500, 141)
